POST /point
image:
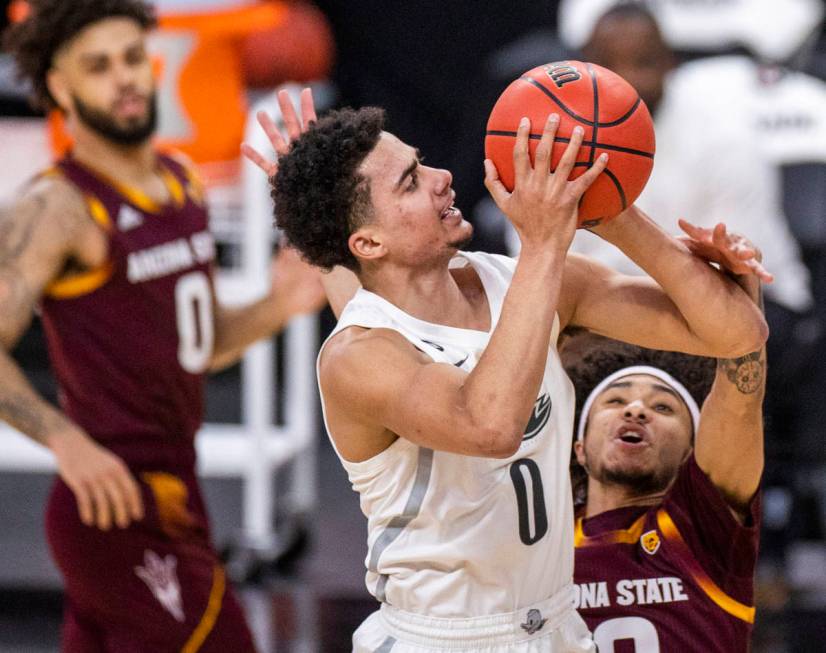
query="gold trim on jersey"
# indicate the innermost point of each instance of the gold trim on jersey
(139, 198)
(213, 609)
(628, 535)
(80, 284)
(75, 285)
(724, 601)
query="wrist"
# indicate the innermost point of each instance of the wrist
(64, 439)
(612, 230)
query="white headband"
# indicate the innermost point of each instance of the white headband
(675, 385)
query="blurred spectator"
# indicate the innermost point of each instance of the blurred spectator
(768, 29)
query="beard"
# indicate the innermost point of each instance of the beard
(136, 132)
(638, 482)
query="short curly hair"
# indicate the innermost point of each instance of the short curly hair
(589, 358)
(51, 24)
(320, 197)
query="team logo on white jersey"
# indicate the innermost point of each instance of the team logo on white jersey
(539, 417)
(129, 218)
(650, 542)
(161, 577)
(533, 622)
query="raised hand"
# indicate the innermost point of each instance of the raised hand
(105, 490)
(294, 125)
(543, 205)
(733, 252)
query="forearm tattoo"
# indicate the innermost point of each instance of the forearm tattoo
(17, 228)
(745, 372)
(23, 415)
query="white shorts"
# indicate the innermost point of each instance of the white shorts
(552, 626)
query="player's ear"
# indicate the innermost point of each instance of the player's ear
(366, 243)
(579, 451)
(58, 87)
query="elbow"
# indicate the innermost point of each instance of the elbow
(498, 442)
(749, 340)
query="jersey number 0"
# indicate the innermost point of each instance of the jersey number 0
(193, 312)
(525, 474)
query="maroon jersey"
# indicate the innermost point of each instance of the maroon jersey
(673, 577)
(129, 341)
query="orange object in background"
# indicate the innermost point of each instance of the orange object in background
(205, 62)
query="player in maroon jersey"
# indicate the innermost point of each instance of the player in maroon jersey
(668, 522)
(112, 244)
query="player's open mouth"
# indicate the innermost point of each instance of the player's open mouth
(449, 212)
(631, 436)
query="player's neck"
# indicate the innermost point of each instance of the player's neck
(437, 295)
(604, 497)
(129, 163)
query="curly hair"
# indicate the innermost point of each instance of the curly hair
(589, 358)
(53, 23)
(320, 197)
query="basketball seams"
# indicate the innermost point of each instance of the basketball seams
(625, 116)
(620, 189)
(556, 100)
(595, 138)
(562, 139)
(577, 117)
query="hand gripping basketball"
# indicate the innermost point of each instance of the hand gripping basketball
(595, 99)
(543, 205)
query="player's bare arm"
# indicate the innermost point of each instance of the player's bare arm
(377, 386)
(295, 289)
(47, 232)
(729, 442)
(685, 305)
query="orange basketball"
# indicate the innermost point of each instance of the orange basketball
(607, 107)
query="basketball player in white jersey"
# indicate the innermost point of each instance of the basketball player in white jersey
(441, 385)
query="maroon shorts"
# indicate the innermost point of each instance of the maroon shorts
(156, 586)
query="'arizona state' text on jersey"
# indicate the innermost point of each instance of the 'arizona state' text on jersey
(677, 576)
(129, 341)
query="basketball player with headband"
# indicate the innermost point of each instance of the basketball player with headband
(669, 511)
(442, 388)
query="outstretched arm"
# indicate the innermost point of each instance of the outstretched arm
(685, 305)
(295, 289)
(729, 442)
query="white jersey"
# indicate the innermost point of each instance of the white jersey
(456, 536)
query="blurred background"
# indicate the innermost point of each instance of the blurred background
(738, 93)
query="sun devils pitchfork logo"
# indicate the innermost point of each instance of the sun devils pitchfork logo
(539, 417)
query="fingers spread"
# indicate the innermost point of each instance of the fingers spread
(273, 134)
(566, 163)
(269, 167)
(583, 182)
(307, 107)
(521, 157)
(495, 187)
(546, 143)
(291, 121)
